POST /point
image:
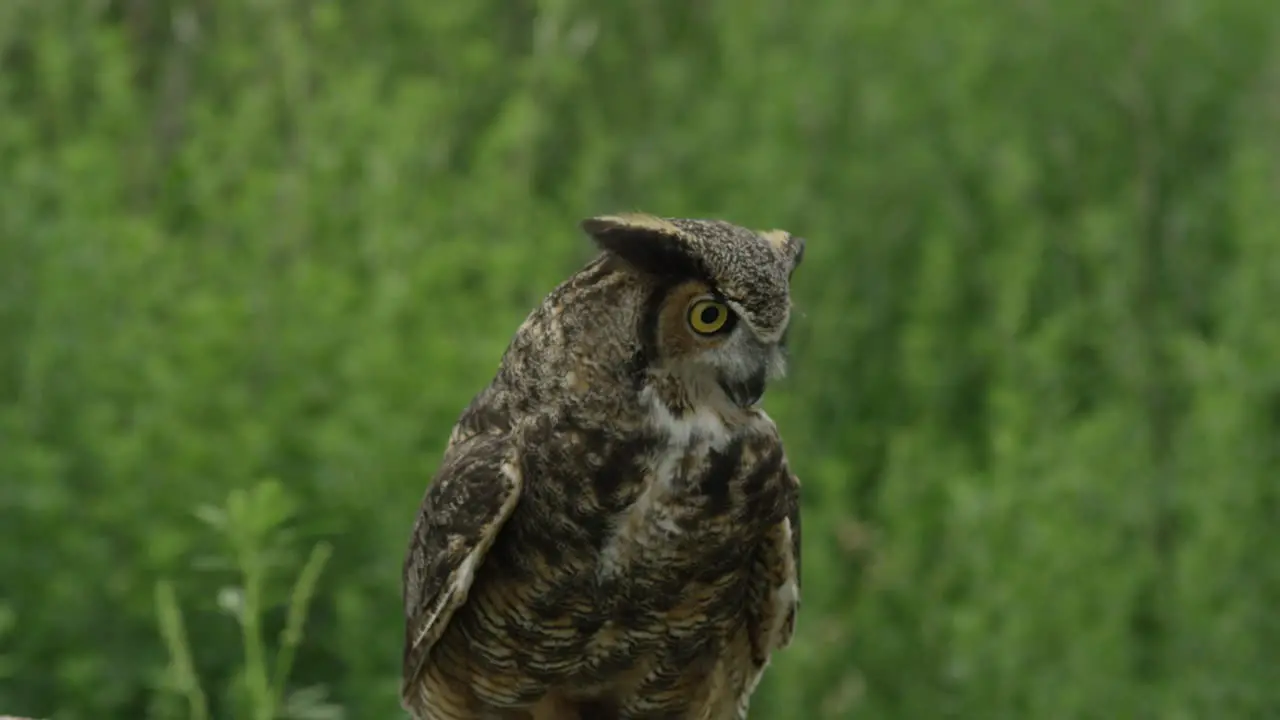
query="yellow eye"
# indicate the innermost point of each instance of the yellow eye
(708, 317)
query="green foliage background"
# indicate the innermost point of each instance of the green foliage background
(1035, 398)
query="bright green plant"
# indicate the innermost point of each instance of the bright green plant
(253, 524)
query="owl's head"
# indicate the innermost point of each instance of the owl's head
(719, 300)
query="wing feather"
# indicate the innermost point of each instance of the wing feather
(776, 585)
(472, 496)
(793, 529)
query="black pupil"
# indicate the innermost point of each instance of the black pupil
(709, 315)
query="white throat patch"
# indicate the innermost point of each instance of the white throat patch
(703, 424)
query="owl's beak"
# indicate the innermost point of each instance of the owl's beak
(744, 392)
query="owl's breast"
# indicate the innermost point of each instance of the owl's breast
(633, 553)
(687, 511)
(673, 569)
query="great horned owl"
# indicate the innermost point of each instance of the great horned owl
(614, 531)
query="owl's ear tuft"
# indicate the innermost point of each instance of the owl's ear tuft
(791, 246)
(647, 242)
(643, 224)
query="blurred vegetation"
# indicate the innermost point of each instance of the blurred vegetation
(257, 255)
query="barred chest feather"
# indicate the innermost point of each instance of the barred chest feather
(627, 554)
(699, 500)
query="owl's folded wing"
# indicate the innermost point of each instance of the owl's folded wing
(794, 518)
(777, 575)
(471, 497)
(775, 586)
